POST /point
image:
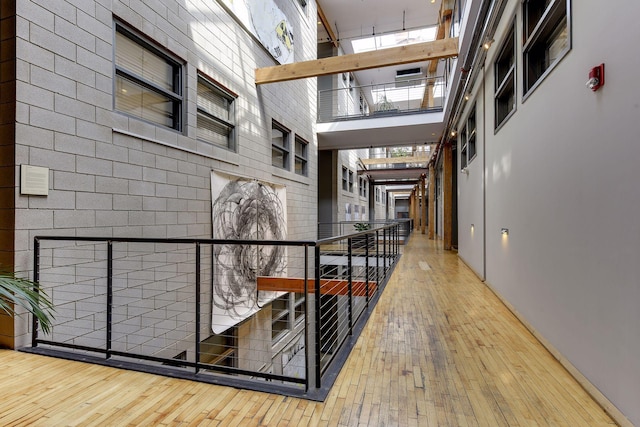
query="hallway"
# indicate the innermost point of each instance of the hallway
(439, 350)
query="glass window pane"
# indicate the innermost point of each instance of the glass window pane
(138, 101)
(277, 137)
(213, 102)
(213, 131)
(277, 157)
(135, 58)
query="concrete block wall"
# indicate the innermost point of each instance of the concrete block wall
(115, 175)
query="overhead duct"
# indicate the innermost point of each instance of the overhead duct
(408, 77)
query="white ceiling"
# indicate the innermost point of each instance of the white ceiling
(351, 19)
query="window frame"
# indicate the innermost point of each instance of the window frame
(201, 112)
(350, 181)
(345, 182)
(505, 87)
(554, 17)
(303, 157)
(468, 138)
(175, 96)
(284, 149)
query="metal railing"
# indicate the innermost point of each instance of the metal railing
(332, 229)
(379, 100)
(263, 315)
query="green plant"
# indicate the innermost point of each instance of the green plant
(384, 104)
(362, 226)
(26, 294)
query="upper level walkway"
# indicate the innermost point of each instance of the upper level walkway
(440, 349)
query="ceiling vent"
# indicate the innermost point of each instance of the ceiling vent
(408, 77)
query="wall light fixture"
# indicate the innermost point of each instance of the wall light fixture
(487, 44)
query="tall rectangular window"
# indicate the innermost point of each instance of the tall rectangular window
(471, 134)
(350, 181)
(546, 38)
(216, 115)
(464, 148)
(148, 81)
(279, 146)
(505, 80)
(468, 139)
(301, 156)
(345, 182)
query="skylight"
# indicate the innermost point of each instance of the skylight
(402, 38)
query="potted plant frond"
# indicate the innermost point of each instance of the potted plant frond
(15, 291)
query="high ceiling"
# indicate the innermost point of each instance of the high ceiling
(355, 19)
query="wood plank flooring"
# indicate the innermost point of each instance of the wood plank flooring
(439, 350)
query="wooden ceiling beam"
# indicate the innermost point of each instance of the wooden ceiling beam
(325, 23)
(408, 54)
(400, 159)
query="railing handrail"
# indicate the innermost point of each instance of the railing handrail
(385, 235)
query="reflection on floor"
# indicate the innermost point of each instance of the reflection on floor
(439, 350)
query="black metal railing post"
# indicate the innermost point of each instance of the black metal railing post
(350, 284)
(109, 297)
(306, 319)
(366, 267)
(197, 308)
(384, 251)
(378, 257)
(36, 279)
(318, 319)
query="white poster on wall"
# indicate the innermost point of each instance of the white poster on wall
(267, 23)
(244, 209)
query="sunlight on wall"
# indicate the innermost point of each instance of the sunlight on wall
(502, 168)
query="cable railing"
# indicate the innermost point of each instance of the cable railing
(409, 95)
(263, 315)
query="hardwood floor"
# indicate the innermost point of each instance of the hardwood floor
(439, 350)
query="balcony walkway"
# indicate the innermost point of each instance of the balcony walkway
(439, 350)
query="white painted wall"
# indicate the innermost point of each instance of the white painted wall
(561, 176)
(470, 189)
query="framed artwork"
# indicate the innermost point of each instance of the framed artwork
(267, 23)
(244, 209)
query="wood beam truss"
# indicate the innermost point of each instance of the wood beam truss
(359, 61)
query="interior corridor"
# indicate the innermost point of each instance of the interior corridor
(440, 349)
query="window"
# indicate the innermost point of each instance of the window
(280, 317)
(463, 147)
(279, 146)
(468, 139)
(378, 195)
(505, 80)
(148, 81)
(471, 134)
(546, 25)
(345, 182)
(216, 116)
(301, 156)
(350, 181)
(362, 187)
